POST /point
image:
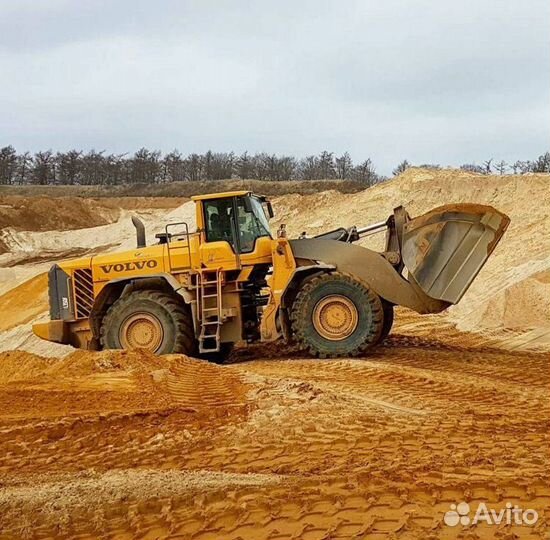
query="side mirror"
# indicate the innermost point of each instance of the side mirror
(248, 205)
(270, 209)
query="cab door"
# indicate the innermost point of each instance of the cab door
(254, 242)
(235, 233)
(219, 246)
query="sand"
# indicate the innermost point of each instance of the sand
(453, 407)
(137, 446)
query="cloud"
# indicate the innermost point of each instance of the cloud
(428, 81)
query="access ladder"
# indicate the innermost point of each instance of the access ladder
(210, 309)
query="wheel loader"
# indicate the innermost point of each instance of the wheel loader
(230, 281)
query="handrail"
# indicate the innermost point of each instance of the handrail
(168, 241)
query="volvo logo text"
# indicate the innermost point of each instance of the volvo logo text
(129, 266)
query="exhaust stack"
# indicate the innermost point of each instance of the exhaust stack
(140, 232)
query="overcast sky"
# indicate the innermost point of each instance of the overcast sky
(428, 80)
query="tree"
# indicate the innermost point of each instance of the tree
(432, 166)
(116, 169)
(218, 166)
(93, 168)
(193, 167)
(173, 167)
(309, 168)
(244, 166)
(542, 163)
(326, 166)
(271, 162)
(260, 166)
(501, 167)
(23, 168)
(145, 166)
(287, 167)
(522, 167)
(344, 166)
(365, 173)
(487, 167)
(8, 164)
(472, 167)
(69, 167)
(401, 168)
(43, 168)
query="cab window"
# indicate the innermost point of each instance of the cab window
(251, 222)
(218, 214)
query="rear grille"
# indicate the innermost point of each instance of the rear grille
(83, 292)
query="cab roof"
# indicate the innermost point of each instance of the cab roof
(221, 195)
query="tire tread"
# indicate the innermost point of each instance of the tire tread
(300, 324)
(185, 335)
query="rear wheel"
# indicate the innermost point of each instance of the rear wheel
(337, 315)
(149, 319)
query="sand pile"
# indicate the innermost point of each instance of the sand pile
(45, 214)
(115, 381)
(24, 303)
(66, 213)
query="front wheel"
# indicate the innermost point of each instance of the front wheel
(337, 315)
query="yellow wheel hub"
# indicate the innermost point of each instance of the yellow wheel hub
(335, 317)
(141, 331)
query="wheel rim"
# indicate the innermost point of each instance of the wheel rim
(335, 317)
(141, 331)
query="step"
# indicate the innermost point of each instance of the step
(203, 332)
(209, 295)
(211, 322)
(203, 350)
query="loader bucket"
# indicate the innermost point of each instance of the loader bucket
(445, 249)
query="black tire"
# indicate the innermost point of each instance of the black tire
(369, 310)
(388, 320)
(173, 315)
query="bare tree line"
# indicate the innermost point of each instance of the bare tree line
(490, 166)
(76, 167)
(145, 166)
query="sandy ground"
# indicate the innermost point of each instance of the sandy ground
(453, 407)
(286, 447)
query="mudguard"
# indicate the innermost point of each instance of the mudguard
(369, 266)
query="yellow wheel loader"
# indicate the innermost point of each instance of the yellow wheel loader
(229, 281)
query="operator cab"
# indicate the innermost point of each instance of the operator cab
(237, 217)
